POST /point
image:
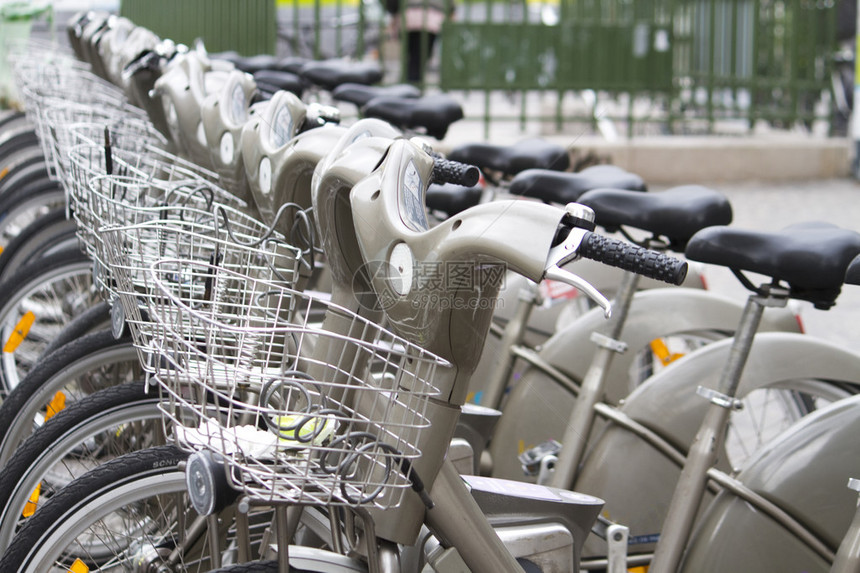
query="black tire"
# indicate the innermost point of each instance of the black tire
(9, 117)
(80, 368)
(12, 120)
(93, 319)
(21, 206)
(151, 475)
(62, 282)
(112, 422)
(36, 184)
(12, 141)
(22, 174)
(43, 236)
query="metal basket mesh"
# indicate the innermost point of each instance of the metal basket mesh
(106, 188)
(256, 373)
(46, 81)
(71, 124)
(191, 230)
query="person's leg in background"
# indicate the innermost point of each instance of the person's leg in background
(418, 56)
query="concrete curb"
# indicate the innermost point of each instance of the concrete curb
(679, 159)
(676, 160)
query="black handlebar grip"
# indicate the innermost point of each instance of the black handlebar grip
(447, 171)
(632, 258)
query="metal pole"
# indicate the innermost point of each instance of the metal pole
(704, 450)
(591, 392)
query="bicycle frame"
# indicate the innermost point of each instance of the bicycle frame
(224, 114)
(666, 412)
(182, 88)
(549, 380)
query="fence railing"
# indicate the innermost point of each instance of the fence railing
(638, 66)
(247, 26)
(664, 65)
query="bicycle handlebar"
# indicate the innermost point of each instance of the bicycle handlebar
(447, 171)
(633, 258)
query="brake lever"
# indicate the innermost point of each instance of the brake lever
(568, 250)
(581, 220)
(558, 274)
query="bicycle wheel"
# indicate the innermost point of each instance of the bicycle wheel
(19, 209)
(10, 117)
(767, 412)
(78, 369)
(44, 236)
(14, 140)
(307, 561)
(93, 430)
(94, 319)
(252, 567)
(126, 515)
(35, 304)
(21, 166)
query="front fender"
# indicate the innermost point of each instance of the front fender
(653, 314)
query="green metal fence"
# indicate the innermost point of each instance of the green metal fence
(669, 65)
(247, 26)
(645, 65)
(754, 59)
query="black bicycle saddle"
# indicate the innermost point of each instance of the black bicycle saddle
(562, 187)
(811, 257)
(433, 113)
(360, 94)
(852, 275)
(676, 213)
(260, 62)
(452, 199)
(512, 159)
(328, 74)
(271, 81)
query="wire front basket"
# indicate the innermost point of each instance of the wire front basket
(193, 230)
(107, 189)
(306, 401)
(47, 81)
(127, 127)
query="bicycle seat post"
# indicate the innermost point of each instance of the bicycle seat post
(708, 441)
(591, 391)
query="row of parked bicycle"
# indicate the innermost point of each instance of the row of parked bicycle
(240, 336)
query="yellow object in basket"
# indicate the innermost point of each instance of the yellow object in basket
(312, 430)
